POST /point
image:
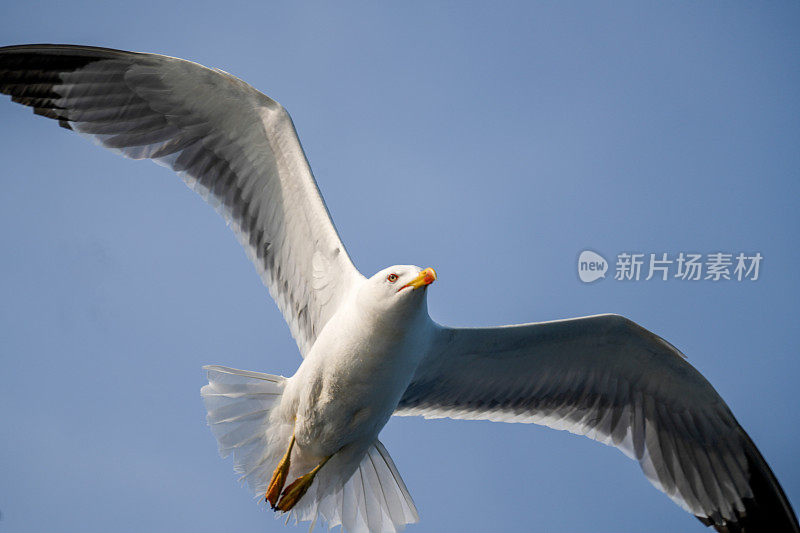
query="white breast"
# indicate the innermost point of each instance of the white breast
(352, 379)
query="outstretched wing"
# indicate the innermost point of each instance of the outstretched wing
(230, 143)
(609, 379)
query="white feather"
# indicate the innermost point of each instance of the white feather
(241, 412)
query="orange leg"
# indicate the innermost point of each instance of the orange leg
(298, 488)
(279, 476)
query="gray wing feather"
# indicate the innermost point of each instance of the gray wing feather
(609, 379)
(232, 144)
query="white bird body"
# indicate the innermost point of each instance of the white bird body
(352, 379)
(371, 350)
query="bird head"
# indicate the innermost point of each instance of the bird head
(397, 290)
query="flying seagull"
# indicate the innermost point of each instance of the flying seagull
(308, 445)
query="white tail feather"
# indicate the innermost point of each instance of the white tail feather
(369, 498)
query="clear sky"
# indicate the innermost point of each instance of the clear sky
(492, 142)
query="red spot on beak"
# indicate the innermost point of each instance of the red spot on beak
(423, 279)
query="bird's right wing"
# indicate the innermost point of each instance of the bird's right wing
(609, 379)
(232, 144)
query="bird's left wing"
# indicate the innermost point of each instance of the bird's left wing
(609, 379)
(232, 144)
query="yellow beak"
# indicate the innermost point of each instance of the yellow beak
(423, 279)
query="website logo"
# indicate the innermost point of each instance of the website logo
(591, 266)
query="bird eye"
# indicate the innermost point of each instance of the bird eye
(392, 278)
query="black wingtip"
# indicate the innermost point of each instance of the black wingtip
(65, 50)
(768, 510)
(28, 73)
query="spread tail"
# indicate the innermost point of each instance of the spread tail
(369, 498)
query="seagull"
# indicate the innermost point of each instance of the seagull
(308, 445)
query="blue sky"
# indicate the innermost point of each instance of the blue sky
(492, 142)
